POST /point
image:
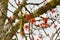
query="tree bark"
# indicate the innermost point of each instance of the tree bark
(3, 14)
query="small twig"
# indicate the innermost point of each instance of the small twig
(34, 3)
(4, 14)
(45, 32)
(27, 9)
(51, 38)
(26, 37)
(29, 31)
(15, 2)
(12, 5)
(16, 37)
(57, 36)
(32, 37)
(10, 11)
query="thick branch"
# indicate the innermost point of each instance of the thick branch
(52, 4)
(3, 14)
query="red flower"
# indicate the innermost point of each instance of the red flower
(45, 20)
(26, 27)
(32, 20)
(28, 16)
(47, 25)
(44, 25)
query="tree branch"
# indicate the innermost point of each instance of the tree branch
(34, 3)
(51, 38)
(52, 4)
(3, 16)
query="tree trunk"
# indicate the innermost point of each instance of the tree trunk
(3, 13)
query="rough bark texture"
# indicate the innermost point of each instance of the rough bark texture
(52, 4)
(3, 13)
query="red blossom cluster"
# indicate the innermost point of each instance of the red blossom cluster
(44, 24)
(32, 20)
(26, 27)
(28, 17)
